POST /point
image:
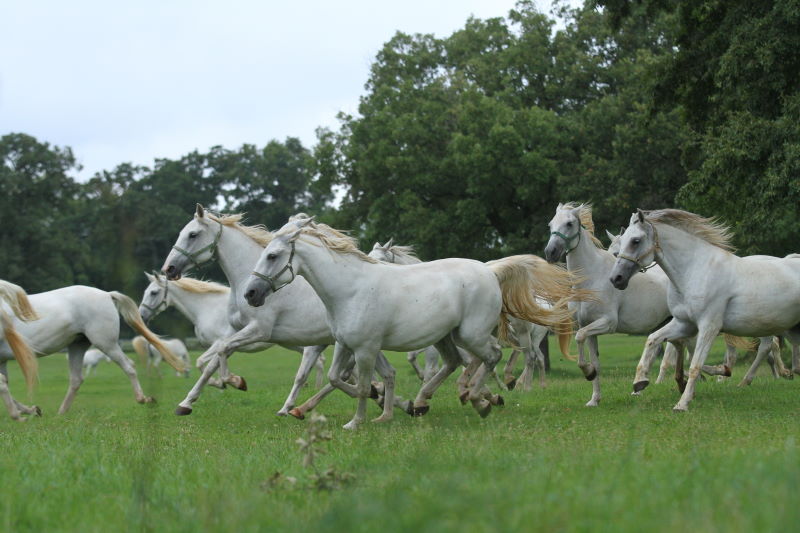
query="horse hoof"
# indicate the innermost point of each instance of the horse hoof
(679, 409)
(420, 411)
(500, 401)
(297, 413)
(37, 411)
(239, 383)
(409, 409)
(463, 397)
(726, 371)
(373, 392)
(639, 386)
(484, 411)
(183, 411)
(149, 399)
(591, 375)
(511, 383)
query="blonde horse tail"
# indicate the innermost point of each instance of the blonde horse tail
(740, 343)
(130, 313)
(140, 347)
(17, 298)
(564, 339)
(25, 357)
(523, 279)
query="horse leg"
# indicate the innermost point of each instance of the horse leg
(115, 353)
(5, 394)
(343, 360)
(431, 363)
(537, 336)
(452, 360)
(310, 357)
(674, 330)
(595, 353)
(490, 354)
(598, 327)
(508, 370)
(320, 368)
(795, 358)
(75, 356)
(667, 361)
(387, 372)
(412, 360)
(764, 347)
(365, 368)
(705, 337)
(462, 383)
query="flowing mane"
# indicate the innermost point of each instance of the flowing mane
(406, 252)
(200, 287)
(708, 229)
(258, 233)
(334, 240)
(586, 220)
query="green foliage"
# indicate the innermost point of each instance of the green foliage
(736, 74)
(464, 145)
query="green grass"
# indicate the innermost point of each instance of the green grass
(542, 463)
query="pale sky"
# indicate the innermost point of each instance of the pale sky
(133, 81)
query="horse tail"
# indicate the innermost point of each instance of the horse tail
(140, 347)
(17, 298)
(563, 342)
(740, 343)
(130, 313)
(523, 279)
(25, 357)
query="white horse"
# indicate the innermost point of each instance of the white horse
(91, 359)
(205, 305)
(76, 317)
(148, 353)
(373, 305)
(711, 289)
(638, 311)
(724, 370)
(296, 317)
(17, 300)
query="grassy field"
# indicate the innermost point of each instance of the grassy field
(542, 463)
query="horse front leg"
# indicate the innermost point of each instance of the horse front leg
(365, 368)
(508, 370)
(600, 326)
(674, 330)
(705, 338)
(310, 357)
(764, 348)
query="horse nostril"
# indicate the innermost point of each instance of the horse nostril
(170, 269)
(250, 294)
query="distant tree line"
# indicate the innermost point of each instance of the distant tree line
(463, 145)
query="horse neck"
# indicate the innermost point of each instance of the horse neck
(237, 254)
(332, 275)
(681, 253)
(406, 260)
(188, 303)
(587, 257)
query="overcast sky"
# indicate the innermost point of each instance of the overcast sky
(133, 81)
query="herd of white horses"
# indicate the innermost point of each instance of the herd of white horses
(308, 286)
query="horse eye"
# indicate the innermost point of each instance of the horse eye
(616, 254)
(271, 257)
(569, 224)
(154, 292)
(192, 235)
(636, 241)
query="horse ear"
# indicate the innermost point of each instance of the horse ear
(641, 215)
(200, 211)
(611, 235)
(621, 230)
(560, 205)
(376, 246)
(389, 243)
(151, 278)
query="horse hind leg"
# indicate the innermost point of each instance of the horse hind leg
(11, 403)
(311, 355)
(452, 360)
(764, 347)
(75, 353)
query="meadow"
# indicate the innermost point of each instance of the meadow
(543, 462)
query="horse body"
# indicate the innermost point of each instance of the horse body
(712, 290)
(76, 317)
(637, 312)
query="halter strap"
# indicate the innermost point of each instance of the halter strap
(272, 279)
(567, 240)
(192, 256)
(163, 302)
(656, 247)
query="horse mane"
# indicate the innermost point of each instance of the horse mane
(708, 229)
(406, 252)
(333, 239)
(585, 217)
(257, 233)
(199, 286)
